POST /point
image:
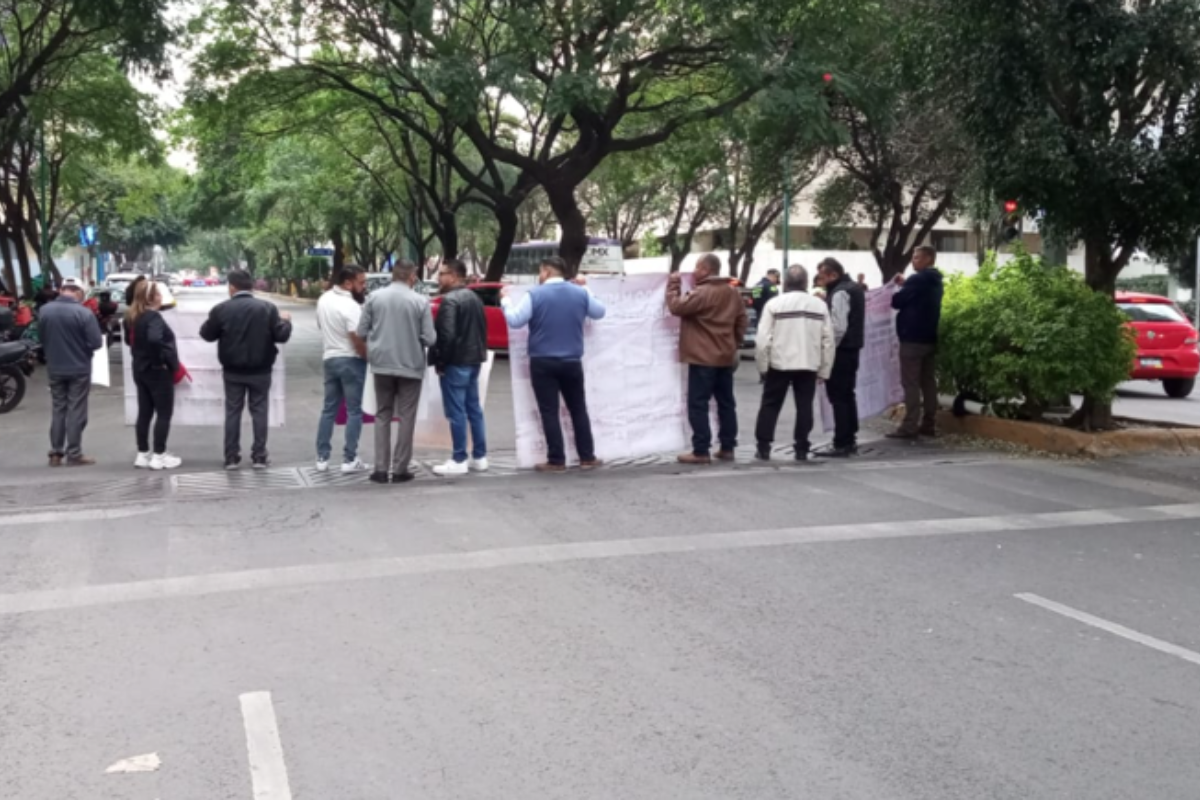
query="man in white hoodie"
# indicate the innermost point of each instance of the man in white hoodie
(794, 348)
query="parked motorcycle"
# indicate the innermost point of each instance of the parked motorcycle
(17, 359)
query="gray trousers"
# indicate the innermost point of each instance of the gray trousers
(70, 414)
(398, 397)
(258, 388)
(918, 376)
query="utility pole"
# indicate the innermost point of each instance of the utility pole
(787, 213)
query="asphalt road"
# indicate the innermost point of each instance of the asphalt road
(919, 624)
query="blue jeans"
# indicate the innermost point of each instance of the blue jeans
(705, 383)
(344, 380)
(460, 401)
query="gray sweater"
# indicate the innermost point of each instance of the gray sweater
(70, 335)
(397, 326)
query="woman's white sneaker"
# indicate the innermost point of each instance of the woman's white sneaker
(142, 462)
(478, 464)
(451, 467)
(165, 461)
(356, 465)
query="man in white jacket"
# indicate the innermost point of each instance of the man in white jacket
(795, 347)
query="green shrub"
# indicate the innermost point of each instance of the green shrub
(1147, 284)
(1022, 336)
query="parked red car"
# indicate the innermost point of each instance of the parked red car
(497, 326)
(1166, 342)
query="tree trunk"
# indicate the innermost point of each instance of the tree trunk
(891, 263)
(339, 252)
(1101, 275)
(10, 277)
(573, 245)
(506, 222)
(25, 268)
(448, 234)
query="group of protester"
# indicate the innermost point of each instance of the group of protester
(802, 340)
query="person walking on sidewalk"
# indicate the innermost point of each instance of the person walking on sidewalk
(555, 312)
(155, 362)
(247, 331)
(847, 307)
(397, 326)
(794, 348)
(919, 304)
(344, 365)
(713, 324)
(461, 349)
(70, 337)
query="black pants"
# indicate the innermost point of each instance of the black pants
(840, 389)
(705, 383)
(552, 377)
(775, 388)
(237, 388)
(156, 401)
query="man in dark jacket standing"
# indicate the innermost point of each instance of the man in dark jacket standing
(919, 305)
(70, 337)
(246, 330)
(847, 308)
(711, 331)
(461, 327)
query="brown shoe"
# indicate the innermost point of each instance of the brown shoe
(551, 468)
(726, 455)
(56, 459)
(594, 463)
(81, 461)
(692, 458)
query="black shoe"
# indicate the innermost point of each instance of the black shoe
(762, 453)
(379, 477)
(403, 477)
(840, 452)
(804, 457)
(262, 463)
(902, 435)
(233, 462)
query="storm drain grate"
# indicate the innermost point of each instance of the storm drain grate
(206, 484)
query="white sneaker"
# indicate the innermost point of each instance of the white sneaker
(356, 465)
(478, 464)
(451, 467)
(142, 462)
(322, 465)
(165, 461)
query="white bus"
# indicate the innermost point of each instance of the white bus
(603, 257)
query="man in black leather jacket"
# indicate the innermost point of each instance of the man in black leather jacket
(461, 326)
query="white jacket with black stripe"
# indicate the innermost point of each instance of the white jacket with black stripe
(795, 333)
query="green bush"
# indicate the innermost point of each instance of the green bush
(1020, 337)
(1147, 284)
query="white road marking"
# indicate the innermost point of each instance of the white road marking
(150, 762)
(82, 515)
(1112, 627)
(341, 572)
(268, 774)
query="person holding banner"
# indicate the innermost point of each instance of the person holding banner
(795, 349)
(461, 349)
(70, 338)
(397, 326)
(713, 324)
(919, 304)
(847, 307)
(555, 312)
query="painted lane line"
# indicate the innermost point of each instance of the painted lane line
(533, 555)
(268, 774)
(82, 515)
(1112, 627)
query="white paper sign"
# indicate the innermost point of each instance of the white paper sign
(879, 363)
(201, 402)
(635, 384)
(100, 372)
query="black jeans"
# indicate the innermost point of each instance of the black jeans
(775, 388)
(840, 389)
(705, 383)
(552, 377)
(237, 387)
(156, 401)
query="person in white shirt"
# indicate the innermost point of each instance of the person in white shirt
(794, 348)
(345, 356)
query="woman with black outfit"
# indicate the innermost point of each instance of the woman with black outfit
(155, 362)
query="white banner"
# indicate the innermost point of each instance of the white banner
(202, 401)
(879, 363)
(635, 384)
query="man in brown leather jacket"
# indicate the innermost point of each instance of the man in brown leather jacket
(713, 324)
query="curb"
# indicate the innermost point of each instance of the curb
(1068, 442)
(288, 298)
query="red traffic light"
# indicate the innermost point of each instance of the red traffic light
(1010, 206)
(827, 77)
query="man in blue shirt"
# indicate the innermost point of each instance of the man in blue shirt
(555, 312)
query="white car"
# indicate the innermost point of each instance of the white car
(119, 282)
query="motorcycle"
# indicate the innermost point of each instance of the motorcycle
(17, 359)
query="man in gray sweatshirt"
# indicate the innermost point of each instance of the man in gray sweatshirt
(70, 335)
(397, 326)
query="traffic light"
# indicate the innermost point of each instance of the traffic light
(1010, 228)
